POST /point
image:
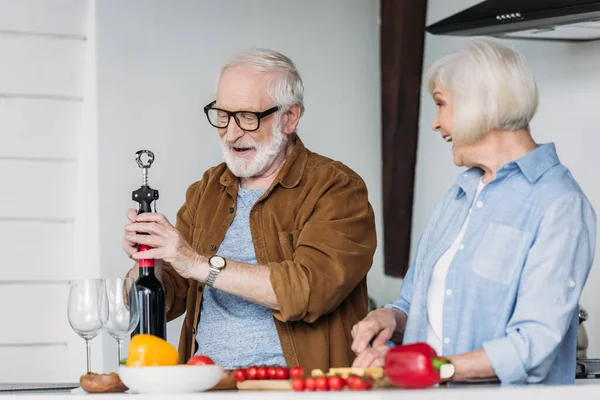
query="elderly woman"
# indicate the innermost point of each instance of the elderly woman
(499, 270)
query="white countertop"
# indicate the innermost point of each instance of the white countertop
(587, 389)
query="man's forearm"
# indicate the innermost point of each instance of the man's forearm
(248, 281)
(472, 366)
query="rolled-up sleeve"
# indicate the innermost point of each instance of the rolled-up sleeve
(557, 267)
(334, 253)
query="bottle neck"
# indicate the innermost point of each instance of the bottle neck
(147, 271)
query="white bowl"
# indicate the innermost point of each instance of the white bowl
(174, 379)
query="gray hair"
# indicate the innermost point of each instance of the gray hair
(286, 88)
(492, 87)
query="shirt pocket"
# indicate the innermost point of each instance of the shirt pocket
(500, 253)
(288, 241)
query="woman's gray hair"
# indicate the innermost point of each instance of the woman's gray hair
(492, 88)
(286, 87)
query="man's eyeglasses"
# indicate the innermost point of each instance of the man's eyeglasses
(246, 120)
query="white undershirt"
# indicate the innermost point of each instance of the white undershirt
(437, 286)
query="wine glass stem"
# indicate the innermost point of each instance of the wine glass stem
(89, 355)
(119, 346)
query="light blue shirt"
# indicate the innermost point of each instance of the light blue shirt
(232, 331)
(516, 284)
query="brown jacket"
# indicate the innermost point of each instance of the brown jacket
(314, 228)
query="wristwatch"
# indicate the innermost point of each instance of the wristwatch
(216, 265)
(446, 372)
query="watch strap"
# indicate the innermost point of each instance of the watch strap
(212, 275)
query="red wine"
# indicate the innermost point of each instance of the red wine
(151, 299)
(151, 294)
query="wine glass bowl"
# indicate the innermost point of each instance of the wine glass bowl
(86, 310)
(123, 312)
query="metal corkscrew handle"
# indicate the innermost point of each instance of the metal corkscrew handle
(145, 196)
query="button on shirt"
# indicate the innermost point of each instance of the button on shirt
(517, 283)
(435, 295)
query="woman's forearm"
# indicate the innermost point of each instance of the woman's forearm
(472, 366)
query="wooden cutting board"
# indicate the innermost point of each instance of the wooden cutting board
(265, 385)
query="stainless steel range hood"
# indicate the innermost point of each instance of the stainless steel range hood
(565, 20)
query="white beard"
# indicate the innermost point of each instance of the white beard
(265, 154)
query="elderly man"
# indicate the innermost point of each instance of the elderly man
(271, 249)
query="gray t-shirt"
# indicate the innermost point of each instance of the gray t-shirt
(232, 331)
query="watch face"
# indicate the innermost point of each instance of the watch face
(446, 371)
(217, 262)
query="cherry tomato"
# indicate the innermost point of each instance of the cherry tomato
(251, 372)
(281, 373)
(360, 384)
(335, 383)
(239, 375)
(261, 373)
(272, 373)
(298, 384)
(309, 383)
(200, 360)
(321, 384)
(353, 381)
(297, 372)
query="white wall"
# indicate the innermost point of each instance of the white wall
(567, 77)
(42, 93)
(156, 67)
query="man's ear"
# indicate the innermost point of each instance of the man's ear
(290, 119)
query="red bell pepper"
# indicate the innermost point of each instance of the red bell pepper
(413, 366)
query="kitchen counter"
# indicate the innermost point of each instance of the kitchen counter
(586, 389)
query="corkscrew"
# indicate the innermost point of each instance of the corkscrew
(145, 196)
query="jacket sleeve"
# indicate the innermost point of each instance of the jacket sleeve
(558, 264)
(176, 287)
(333, 255)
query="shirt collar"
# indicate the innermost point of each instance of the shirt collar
(535, 163)
(468, 182)
(532, 165)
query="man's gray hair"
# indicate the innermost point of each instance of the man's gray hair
(286, 87)
(492, 87)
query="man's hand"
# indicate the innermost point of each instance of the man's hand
(166, 242)
(378, 326)
(129, 246)
(371, 358)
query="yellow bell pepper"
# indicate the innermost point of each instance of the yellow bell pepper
(149, 350)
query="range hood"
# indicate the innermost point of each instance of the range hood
(565, 20)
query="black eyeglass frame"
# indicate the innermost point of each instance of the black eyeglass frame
(259, 115)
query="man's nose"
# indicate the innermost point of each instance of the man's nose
(233, 132)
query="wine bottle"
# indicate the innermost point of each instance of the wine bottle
(150, 290)
(151, 300)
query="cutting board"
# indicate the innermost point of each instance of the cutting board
(265, 385)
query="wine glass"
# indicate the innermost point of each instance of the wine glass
(87, 310)
(123, 311)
